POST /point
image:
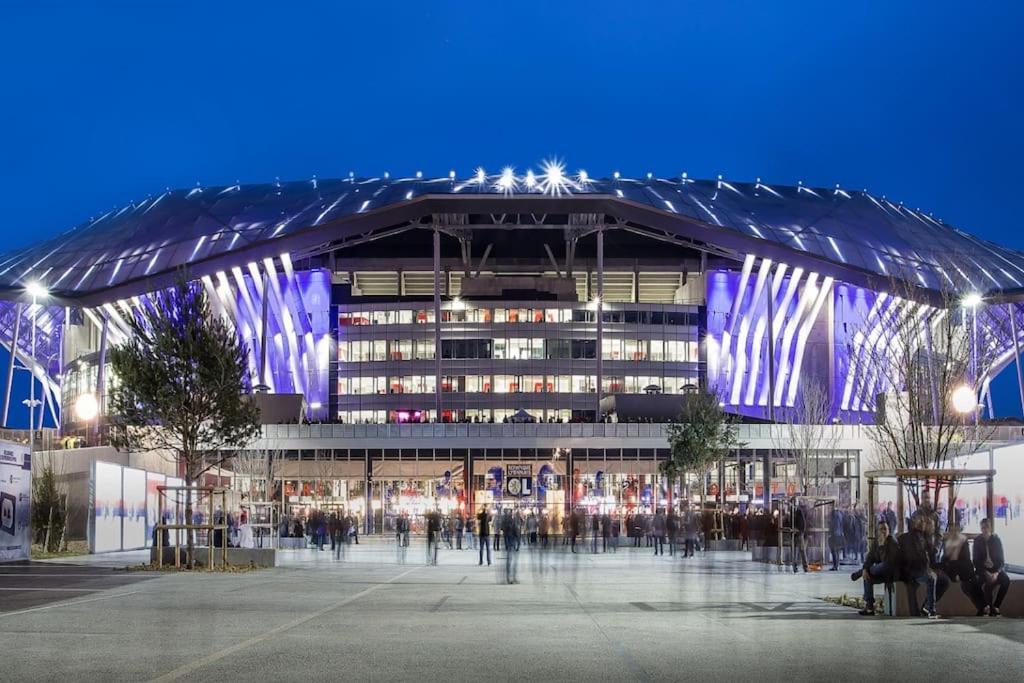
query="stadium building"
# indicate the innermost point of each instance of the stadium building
(432, 331)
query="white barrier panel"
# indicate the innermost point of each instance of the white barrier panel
(15, 502)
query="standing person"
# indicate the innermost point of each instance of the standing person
(691, 533)
(672, 528)
(574, 528)
(658, 532)
(745, 521)
(990, 565)
(332, 530)
(450, 530)
(544, 527)
(470, 531)
(353, 524)
(531, 527)
(595, 531)
(496, 528)
(339, 539)
(460, 527)
(433, 535)
(836, 536)
(859, 529)
(483, 524)
(890, 518)
(799, 537)
(510, 529)
(880, 566)
(606, 530)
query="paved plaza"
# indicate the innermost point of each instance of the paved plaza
(376, 615)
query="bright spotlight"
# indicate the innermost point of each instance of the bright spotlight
(971, 300)
(36, 290)
(86, 407)
(964, 400)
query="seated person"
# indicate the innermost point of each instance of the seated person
(880, 566)
(957, 565)
(915, 551)
(990, 566)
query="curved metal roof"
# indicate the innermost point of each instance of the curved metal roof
(851, 230)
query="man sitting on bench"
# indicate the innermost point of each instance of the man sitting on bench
(880, 566)
(989, 562)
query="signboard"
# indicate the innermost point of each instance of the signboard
(15, 501)
(519, 480)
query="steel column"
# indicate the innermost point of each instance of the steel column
(11, 360)
(437, 323)
(600, 322)
(264, 302)
(100, 371)
(1016, 356)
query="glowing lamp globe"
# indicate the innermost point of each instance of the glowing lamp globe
(964, 400)
(86, 407)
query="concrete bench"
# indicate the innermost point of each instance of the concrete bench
(292, 543)
(260, 557)
(955, 604)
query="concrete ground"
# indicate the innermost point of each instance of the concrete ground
(378, 615)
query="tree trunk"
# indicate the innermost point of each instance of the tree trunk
(189, 537)
(49, 527)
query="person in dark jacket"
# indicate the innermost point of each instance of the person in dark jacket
(916, 553)
(957, 565)
(836, 537)
(483, 525)
(990, 565)
(881, 565)
(799, 537)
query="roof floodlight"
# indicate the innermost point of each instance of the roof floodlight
(971, 300)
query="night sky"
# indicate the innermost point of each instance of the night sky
(105, 103)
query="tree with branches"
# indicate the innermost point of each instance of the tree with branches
(923, 355)
(808, 435)
(704, 435)
(182, 386)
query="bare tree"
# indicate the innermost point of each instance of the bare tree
(910, 367)
(261, 466)
(808, 435)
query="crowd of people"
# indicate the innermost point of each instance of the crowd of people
(924, 557)
(320, 527)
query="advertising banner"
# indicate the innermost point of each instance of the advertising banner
(15, 501)
(134, 496)
(107, 508)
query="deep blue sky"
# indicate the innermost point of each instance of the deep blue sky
(108, 102)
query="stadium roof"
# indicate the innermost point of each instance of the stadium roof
(852, 233)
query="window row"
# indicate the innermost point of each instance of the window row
(656, 350)
(467, 314)
(512, 384)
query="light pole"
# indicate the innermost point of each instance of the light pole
(36, 291)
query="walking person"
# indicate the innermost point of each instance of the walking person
(483, 524)
(460, 525)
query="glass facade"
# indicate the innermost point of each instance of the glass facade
(497, 360)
